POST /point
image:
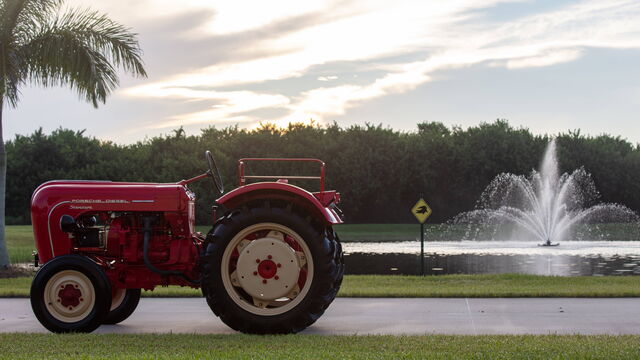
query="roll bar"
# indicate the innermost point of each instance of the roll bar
(242, 177)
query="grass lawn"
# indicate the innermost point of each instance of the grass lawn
(20, 243)
(378, 232)
(154, 346)
(502, 285)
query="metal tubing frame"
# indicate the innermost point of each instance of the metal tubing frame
(242, 177)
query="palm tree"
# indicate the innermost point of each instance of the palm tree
(43, 44)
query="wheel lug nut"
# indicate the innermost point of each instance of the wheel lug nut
(276, 277)
(269, 257)
(81, 299)
(264, 281)
(279, 265)
(257, 261)
(255, 273)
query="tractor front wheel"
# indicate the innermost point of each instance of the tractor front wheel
(70, 293)
(269, 270)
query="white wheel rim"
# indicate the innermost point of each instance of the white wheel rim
(69, 296)
(117, 298)
(256, 291)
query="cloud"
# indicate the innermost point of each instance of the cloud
(551, 58)
(327, 78)
(284, 43)
(228, 106)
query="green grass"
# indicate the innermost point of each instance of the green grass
(189, 346)
(20, 243)
(378, 232)
(495, 285)
(503, 285)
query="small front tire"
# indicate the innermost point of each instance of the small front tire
(71, 293)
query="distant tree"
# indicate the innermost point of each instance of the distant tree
(43, 45)
(379, 171)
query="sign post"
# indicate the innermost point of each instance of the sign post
(421, 211)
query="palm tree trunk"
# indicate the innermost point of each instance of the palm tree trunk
(4, 254)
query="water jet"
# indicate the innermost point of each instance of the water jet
(546, 205)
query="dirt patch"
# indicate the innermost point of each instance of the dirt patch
(15, 271)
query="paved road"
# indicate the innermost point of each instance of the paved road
(383, 316)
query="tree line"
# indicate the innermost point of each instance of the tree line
(379, 171)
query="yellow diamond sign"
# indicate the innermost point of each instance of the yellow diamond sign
(421, 211)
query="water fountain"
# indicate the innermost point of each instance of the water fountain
(546, 205)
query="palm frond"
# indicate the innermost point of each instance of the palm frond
(78, 49)
(33, 14)
(118, 42)
(11, 73)
(13, 76)
(61, 58)
(18, 18)
(9, 14)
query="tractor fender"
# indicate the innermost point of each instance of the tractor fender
(280, 191)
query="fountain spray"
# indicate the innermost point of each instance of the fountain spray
(545, 204)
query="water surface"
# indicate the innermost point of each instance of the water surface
(571, 258)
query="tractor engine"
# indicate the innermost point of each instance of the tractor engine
(142, 235)
(126, 234)
(136, 248)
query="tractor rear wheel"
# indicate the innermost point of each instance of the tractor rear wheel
(268, 270)
(123, 303)
(70, 293)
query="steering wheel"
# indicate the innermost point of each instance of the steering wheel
(214, 172)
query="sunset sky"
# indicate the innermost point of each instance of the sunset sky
(547, 65)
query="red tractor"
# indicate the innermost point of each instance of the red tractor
(270, 264)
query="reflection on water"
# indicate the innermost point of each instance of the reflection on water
(575, 258)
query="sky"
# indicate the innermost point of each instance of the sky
(550, 66)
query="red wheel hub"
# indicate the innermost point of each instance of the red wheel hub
(69, 296)
(267, 269)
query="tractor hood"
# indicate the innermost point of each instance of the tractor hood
(54, 199)
(111, 196)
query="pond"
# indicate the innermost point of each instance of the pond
(571, 258)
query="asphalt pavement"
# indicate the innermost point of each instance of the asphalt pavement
(383, 316)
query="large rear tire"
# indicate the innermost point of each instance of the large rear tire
(70, 293)
(268, 270)
(123, 303)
